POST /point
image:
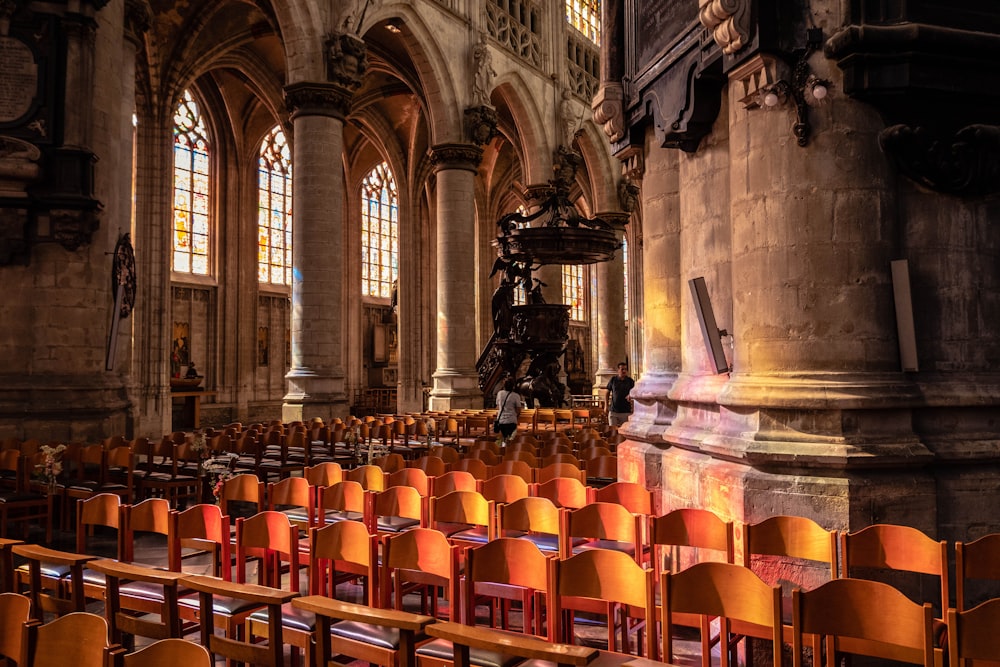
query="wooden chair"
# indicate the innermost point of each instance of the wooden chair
(519, 468)
(563, 492)
(147, 519)
(487, 456)
(725, 591)
(421, 559)
(414, 477)
(861, 617)
(558, 454)
(294, 498)
(633, 496)
(391, 462)
(397, 509)
(200, 530)
(554, 470)
(143, 590)
(169, 653)
(371, 478)
(242, 495)
(399, 628)
(974, 634)
(601, 469)
(521, 455)
(536, 520)
(535, 651)
(323, 474)
(453, 480)
(475, 467)
(434, 466)
(502, 570)
(7, 564)
(602, 526)
(692, 528)
(233, 602)
(885, 547)
(79, 639)
(504, 488)
(447, 454)
(979, 560)
(270, 539)
(464, 517)
(603, 581)
(18, 503)
(15, 611)
(343, 501)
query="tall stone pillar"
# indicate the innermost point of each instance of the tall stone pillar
(611, 349)
(456, 382)
(316, 378)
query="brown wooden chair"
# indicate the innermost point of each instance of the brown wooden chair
(242, 495)
(65, 592)
(453, 480)
(563, 492)
(504, 488)
(475, 467)
(145, 591)
(169, 653)
(18, 503)
(554, 470)
(861, 617)
(7, 564)
(79, 639)
(371, 478)
(535, 651)
(343, 501)
(15, 611)
(602, 526)
(977, 560)
(197, 531)
(974, 634)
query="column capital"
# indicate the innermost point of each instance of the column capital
(317, 99)
(616, 219)
(456, 156)
(481, 124)
(138, 19)
(346, 59)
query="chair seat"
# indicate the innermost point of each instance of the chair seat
(396, 524)
(47, 570)
(342, 515)
(478, 534)
(21, 497)
(291, 617)
(147, 590)
(611, 545)
(442, 649)
(221, 605)
(297, 514)
(367, 633)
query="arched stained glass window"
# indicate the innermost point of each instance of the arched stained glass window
(274, 210)
(585, 16)
(572, 289)
(191, 191)
(379, 232)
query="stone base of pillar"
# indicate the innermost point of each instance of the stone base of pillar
(66, 408)
(652, 410)
(311, 395)
(456, 390)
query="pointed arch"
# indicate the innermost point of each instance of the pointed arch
(532, 142)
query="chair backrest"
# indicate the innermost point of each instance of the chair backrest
(720, 590)
(102, 510)
(423, 556)
(564, 492)
(397, 503)
(414, 477)
(522, 455)
(554, 470)
(200, 527)
(603, 525)
(453, 480)
(980, 560)
(693, 528)
(170, 653)
(633, 496)
(504, 488)
(243, 489)
(604, 576)
(15, 611)
(487, 456)
(792, 537)
(447, 454)
(602, 467)
(974, 634)
(432, 465)
(475, 467)
(371, 478)
(462, 507)
(79, 639)
(344, 547)
(899, 548)
(493, 568)
(343, 497)
(270, 537)
(391, 462)
(324, 474)
(535, 519)
(151, 516)
(519, 468)
(861, 617)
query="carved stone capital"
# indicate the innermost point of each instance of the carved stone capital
(72, 228)
(964, 163)
(347, 59)
(728, 21)
(318, 99)
(481, 124)
(616, 219)
(456, 156)
(628, 195)
(138, 19)
(609, 109)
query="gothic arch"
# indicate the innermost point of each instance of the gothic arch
(601, 175)
(532, 142)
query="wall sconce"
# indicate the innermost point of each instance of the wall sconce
(804, 89)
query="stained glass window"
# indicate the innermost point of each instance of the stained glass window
(274, 210)
(585, 16)
(191, 193)
(379, 232)
(572, 288)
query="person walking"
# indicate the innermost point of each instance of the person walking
(618, 399)
(509, 405)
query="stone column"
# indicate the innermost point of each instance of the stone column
(456, 382)
(316, 377)
(610, 309)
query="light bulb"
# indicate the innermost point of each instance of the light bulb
(771, 99)
(819, 91)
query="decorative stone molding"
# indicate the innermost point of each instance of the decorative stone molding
(138, 19)
(456, 156)
(317, 99)
(964, 163)
(633, 164)
(628, 195)
(728, 21)
(347, 59)
(609, 109)
(481, 124)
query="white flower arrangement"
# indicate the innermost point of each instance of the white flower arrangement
(51, 466)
